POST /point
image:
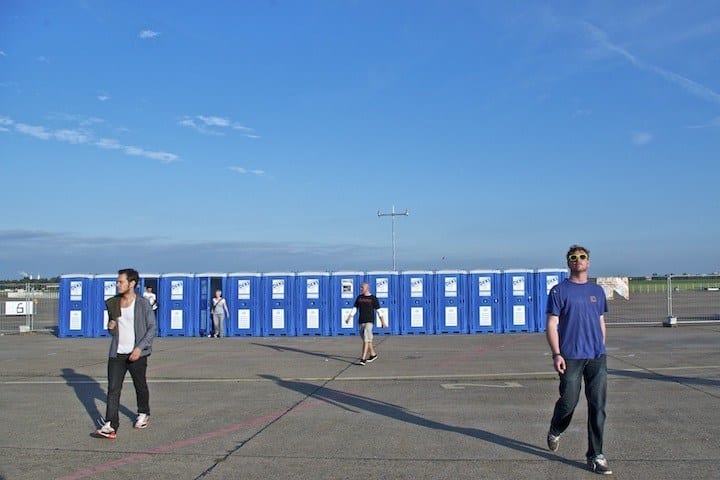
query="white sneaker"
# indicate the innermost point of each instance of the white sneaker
(106, 431)
(142, 420)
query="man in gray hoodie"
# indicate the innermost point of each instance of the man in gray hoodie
(131, 323)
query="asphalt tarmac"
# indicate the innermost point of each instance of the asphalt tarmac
(439, 406)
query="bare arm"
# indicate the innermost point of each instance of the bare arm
(553, 339)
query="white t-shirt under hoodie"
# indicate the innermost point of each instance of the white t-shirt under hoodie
(126, 329)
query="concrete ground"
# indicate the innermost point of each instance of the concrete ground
(440, 406)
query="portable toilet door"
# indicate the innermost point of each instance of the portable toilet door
(545, 280)
(385, 285)
(485, 298)
(344, 288)
(104, 287)
(151, 280)
(277, 311)
(451, 301)
(75, 306)
(177, 319)
(519, 295)
(205, 286)
(243, 298)
(312, 303)
(416, 302)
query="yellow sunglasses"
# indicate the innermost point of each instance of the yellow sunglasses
(575, 258)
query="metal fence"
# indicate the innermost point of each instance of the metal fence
(651, 301)
(654, 300)
(32, 308)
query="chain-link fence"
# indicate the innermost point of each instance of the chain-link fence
(655, 299)
(32, 308)
(649, 301)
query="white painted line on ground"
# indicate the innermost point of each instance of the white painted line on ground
(492, 376)
(461, 386)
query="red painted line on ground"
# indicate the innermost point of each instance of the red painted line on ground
(475, 353)
(136, 457)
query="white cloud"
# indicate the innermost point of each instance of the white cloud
(34, 131)
(244, 171)
(214, 121)
(164, 157)
(103, 98)
(108, 144)
(686, 84)
(148, 34)
(642, 138)
(4, 129)
(71, 136)
(715, 122)
(43, 59)
(83, 136)
(214, 125)
(2, 53)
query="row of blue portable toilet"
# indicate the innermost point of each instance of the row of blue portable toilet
(317, 303)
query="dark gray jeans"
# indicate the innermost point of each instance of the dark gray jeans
(117, 367)
(594, 372)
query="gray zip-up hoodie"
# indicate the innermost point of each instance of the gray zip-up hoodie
(145, 326)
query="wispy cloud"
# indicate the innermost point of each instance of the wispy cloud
(34, 131)
(245, 171)
(215, 125)
(103, 98)
(42, 58)
(715, 122)
(690, 86)
(145, 34)
(81, 120)
(642, 138)
(83, 136)
(2, 53)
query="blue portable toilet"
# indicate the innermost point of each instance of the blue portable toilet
(312, 303)
(416, 302)
(545, 280)
(486, 301)
(205, 285)
(176, 298)
(243, 297)
(104, 287)
(519, 299)
(278, 315)
(75, 306)
(151, 280)
(344, 288)
(451, 302)
(385, 285)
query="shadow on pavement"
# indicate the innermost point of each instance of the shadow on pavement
(88, 391)
(354, 402)
(280, 348)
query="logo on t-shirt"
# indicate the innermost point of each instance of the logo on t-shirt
(593, 299)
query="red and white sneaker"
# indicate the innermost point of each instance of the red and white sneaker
(106, 431)
(142, 420)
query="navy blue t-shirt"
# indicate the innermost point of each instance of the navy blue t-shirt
(579, 307)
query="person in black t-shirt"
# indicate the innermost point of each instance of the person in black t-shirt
(366, 303)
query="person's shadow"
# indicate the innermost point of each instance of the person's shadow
(355, 403)
(280, 348)
(89, 391)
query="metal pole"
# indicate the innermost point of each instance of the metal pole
(393, 214)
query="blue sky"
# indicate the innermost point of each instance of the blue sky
(265, 135)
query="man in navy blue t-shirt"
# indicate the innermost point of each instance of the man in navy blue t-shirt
(576, 335)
